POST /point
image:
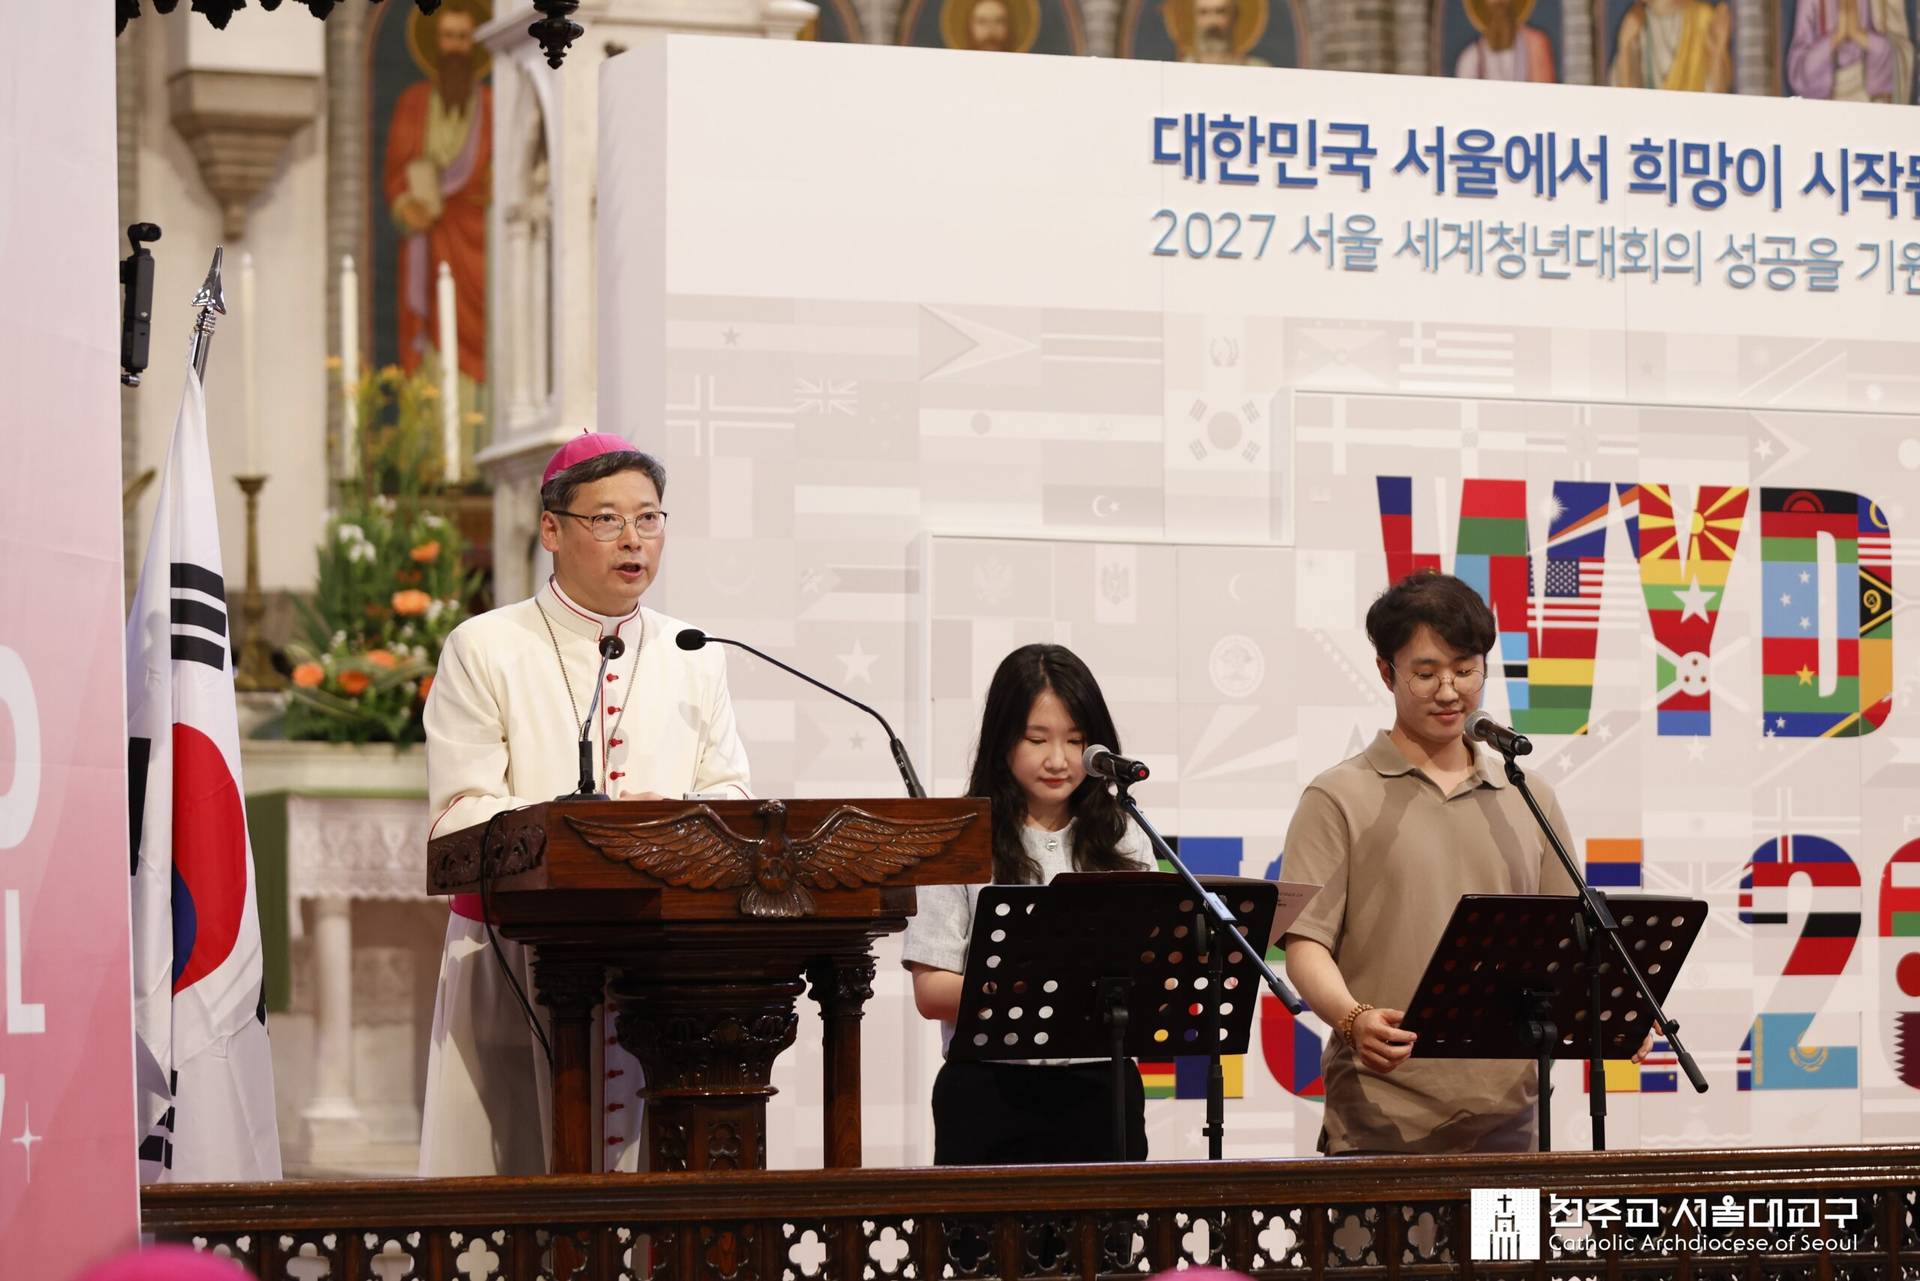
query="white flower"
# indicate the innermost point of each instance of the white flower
(361, 552)
(352, 534)
(383, 503)
(339, 639)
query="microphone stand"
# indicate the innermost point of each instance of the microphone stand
(899, 749)
(1597, 928)
(1214, 921)
(611, 647)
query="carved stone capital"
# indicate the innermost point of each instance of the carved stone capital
(238, 124)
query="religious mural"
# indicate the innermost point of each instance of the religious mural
(1667, 44)
(1242, 33)
(836, 23)
(1496, 40)
(1848, 50)
(995, 26)
(430, 157)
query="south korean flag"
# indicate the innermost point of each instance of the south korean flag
(204, 1068)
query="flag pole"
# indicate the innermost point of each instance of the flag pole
(212, 302)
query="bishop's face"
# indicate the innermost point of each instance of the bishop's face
(608, 577)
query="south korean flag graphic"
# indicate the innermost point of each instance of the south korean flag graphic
(204, 1067)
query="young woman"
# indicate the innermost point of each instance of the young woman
(1043, 709)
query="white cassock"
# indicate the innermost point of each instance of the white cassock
(502, 732)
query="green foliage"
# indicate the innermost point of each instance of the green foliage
(391, 583)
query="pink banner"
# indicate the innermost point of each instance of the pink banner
(68, 1192)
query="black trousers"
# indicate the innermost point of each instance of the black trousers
(1021, 1114)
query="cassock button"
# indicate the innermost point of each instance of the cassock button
(609, 710)
(611, 677)
(615, 742)
(617, 774)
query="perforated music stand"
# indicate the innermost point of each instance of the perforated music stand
(1109, 965)
(1512, 978)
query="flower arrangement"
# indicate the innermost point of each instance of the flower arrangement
(391, 584)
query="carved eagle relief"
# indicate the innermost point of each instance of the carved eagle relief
(696, 849)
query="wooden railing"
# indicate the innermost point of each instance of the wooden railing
(1349, 1218)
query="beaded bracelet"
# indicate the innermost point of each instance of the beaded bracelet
(1346, 1024)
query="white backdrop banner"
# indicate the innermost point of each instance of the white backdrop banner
(1181, 365)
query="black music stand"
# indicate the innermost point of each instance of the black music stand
(1109, 965)
(1519, 976)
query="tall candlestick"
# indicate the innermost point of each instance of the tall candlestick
(449, 373)
(349, 366)
(249, 380)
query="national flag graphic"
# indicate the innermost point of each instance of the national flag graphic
(204, 1068)
(1899, 931)
(1292, 1050)
(1773, 1058)
(1658, 1073)
(1207, 855)
(1614, 864)
(1826, 936)
(1683, 580)
(1826, 614)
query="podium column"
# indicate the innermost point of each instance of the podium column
(842, 985)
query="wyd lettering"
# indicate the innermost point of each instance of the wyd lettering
(1826, 615)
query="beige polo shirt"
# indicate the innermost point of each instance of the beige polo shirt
(1393, 856)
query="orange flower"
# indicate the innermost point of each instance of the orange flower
(426, 683)
(426, 553)
(309, 675)
(410, 602)
(381, 658)
(355, 683)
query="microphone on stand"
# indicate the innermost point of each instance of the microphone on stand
(611, 647)
(1509, 743)
(693, 638)
(1102, 763)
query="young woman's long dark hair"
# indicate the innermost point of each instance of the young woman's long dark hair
(1099, 822)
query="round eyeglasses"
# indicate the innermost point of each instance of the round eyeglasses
(606, 526)
(1466, 681)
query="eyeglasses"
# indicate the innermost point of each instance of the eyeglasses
(606, 526)
(1465, 683)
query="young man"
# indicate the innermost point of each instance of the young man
(1395, 836)
(503, 725)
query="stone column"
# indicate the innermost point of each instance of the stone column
(332, 1118)
(1352, 35)
(346, 186)
(1412, 34)
(1576, 42)
(879, 20)
(1103, 27)
(1752, 49)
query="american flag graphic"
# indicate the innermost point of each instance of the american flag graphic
(1572, 598)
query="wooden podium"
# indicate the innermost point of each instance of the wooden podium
(701, 923)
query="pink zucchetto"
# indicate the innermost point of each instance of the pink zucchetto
(582, 447)
(167, 1263)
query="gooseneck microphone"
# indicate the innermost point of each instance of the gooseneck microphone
(693, 638)
(611, 647)
(1102, 763)
(1483, 728)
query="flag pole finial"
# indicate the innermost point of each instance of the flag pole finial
(212, 302)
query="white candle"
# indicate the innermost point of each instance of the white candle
(349, 365)
(449, 372)
(248, 373)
